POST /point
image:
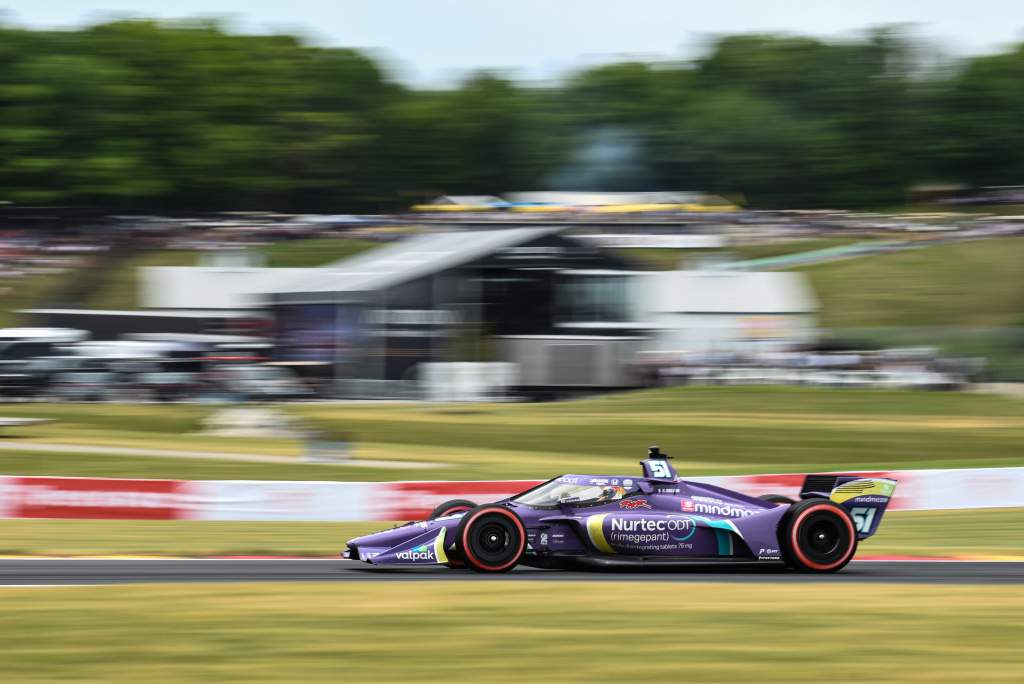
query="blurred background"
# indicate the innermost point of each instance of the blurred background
(376, 242)
(181, 198)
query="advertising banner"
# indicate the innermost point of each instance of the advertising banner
(74, 497)
(104, 498)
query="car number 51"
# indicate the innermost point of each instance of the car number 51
(863, 517)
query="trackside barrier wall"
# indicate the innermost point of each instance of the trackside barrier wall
(124, 499)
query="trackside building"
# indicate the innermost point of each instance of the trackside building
(432, 298)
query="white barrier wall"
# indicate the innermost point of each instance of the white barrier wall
(98, 498)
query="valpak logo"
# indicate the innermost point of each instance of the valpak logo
(418, 553)
(714, 507)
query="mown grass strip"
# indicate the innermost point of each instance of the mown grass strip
(512, 632)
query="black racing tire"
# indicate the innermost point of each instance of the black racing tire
(450, 507)
(490, 538)
(817, 536)
(776, 499)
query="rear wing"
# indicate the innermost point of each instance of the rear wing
(864, 498)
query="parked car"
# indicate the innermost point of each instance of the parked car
(167, 385)
(93, 385)
(256, 382)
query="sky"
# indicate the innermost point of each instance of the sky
(436, 42)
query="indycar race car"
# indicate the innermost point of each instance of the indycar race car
(657, 519)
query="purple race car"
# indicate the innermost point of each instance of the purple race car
(657, 519)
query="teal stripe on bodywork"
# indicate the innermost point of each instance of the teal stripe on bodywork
(724, 540)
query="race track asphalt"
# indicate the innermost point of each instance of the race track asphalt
(129, 571)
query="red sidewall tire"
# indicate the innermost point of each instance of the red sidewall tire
(792, 536)
(451, 507)
(466, 527)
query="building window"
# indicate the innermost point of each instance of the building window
(585, 298)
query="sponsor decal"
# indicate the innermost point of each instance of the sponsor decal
(417, 553)
(647, 530)
(711, 506)
(633, 504)
(627, 483)
(569, 480)
(667, 490)
(543, 538)
(598, 481)
(871, 499)
(641, 534)
(768, 554)
(707, 499)
(862, 487)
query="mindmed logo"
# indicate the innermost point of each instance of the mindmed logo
(722, 508)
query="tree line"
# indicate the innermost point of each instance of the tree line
(141, 115)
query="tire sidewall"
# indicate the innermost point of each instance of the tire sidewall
(451, 507)
(466, 526)
(790, 529)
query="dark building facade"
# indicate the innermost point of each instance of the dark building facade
(437, 297)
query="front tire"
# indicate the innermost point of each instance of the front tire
(490, 538)
(818, 536)
(452, 507)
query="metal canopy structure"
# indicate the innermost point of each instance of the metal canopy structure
(408, 260)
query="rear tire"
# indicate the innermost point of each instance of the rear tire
(817, 536)
(490, 538)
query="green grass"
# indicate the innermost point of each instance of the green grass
(710, 430)
(773, 249)
(975, 533)
(314, 251)
(978, 283)
(120, 285)
(512, 632)
(657, 258)
(25, 293)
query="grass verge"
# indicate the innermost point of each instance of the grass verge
(512, 632)
(670, 259)
(710, 430)
(934, 286)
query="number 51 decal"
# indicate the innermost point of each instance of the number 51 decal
(660, 469)
(863, 517)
